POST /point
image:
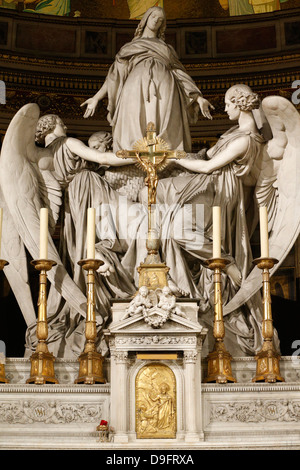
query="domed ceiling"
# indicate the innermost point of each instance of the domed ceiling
(125, 9)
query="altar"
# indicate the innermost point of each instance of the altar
(170, 356)
(64, 416)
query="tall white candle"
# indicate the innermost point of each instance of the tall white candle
(1, 217)
(216, 232)
(264, 235)
(91, 233)
(44, 233)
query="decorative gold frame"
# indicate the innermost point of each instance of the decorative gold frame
(155, 402)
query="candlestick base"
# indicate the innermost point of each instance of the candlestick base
(219, 359)
(90, 368)
(219, 365)
(267, 360)
(267, 366)
(3, 378)
(42, 367)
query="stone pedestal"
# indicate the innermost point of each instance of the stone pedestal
(177, 344)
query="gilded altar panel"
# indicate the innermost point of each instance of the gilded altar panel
(155, 402)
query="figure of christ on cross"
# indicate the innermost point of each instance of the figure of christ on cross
(152, 155)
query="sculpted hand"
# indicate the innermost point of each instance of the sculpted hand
(205, 106)
(106, 269)
(91, 107)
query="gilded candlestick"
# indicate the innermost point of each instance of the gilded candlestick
(42, 361)
(267, 367)
(219, 360)
(3, 378)
(90, 361)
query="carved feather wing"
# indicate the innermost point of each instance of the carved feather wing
(24, 192)
(278, 189)
(16, 272)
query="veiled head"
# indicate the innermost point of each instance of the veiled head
(143, 23)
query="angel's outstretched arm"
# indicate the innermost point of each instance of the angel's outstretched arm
(234, 149)
(108, 158)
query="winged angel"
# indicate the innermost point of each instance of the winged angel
(32, 177)
(243, 171)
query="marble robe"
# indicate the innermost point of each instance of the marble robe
(186, 254)
(83, 187)
(147, 83)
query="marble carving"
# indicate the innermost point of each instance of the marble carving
(253, 164)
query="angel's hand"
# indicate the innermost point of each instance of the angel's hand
(91, 104)
(205, 107)
(106, 269)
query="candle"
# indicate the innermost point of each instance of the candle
(43, 233)
(91, 233)
(216, 232)
(1, 217)
(264, 235)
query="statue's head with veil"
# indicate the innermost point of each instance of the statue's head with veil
(154, 19)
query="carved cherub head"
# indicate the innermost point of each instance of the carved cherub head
(143, 291)
(101, 141)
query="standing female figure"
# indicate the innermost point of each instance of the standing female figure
(147, 83)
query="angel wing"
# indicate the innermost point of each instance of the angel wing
(25, 190)
(277, 188)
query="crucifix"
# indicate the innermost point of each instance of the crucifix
(152, 155)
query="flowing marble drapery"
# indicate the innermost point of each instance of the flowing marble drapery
(147, 83)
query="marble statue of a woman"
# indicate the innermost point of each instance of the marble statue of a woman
(147, 83)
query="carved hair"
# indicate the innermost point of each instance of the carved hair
(102, 136)
(243, 97)
(45, 125)
(142, 24)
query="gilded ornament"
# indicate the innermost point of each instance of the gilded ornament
(155, 402)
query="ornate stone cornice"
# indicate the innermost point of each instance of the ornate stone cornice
(56, 388)
(251, 387)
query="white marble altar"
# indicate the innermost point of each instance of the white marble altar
(181, 335)
(244, 415)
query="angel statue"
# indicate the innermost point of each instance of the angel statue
(62, 175)
(147, 83)
(240, 173)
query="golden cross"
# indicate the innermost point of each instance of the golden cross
(152, 155)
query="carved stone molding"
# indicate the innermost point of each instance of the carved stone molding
(120, 357)
(190, 357)
(156, 339)
(256, 411)
(49, 412)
